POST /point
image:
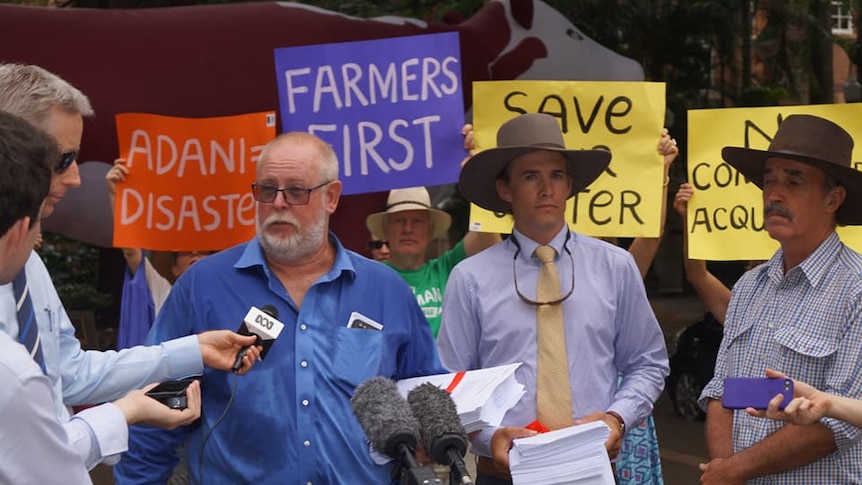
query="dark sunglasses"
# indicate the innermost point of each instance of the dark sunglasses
(66, 161)
(377, 244)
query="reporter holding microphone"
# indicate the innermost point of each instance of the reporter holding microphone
(35, 446)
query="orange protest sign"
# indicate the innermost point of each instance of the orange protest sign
(189, 182)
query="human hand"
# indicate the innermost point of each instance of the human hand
(116, 174)
(808, 405)
(421, 456)
(720, 472)
(501, 443)
(680, 202)
(138, 408)
(615, 440)
(219, 349)
(667, 148)
(469, 142)
(38, 244)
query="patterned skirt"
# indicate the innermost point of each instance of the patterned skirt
(639, 462)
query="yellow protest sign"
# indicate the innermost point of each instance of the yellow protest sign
(725, 214)
(623, 117)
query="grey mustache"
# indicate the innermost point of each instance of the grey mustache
(777, 208)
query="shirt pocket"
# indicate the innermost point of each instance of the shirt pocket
(357, 354)
(807, 345)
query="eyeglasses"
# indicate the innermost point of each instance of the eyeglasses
(292, 195)
(66, 161)
(541, 303)
(376, 245)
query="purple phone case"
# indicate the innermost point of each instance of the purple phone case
(755, 392)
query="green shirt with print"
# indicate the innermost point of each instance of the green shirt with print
(429, 281)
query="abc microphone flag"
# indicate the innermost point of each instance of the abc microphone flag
(262, 323)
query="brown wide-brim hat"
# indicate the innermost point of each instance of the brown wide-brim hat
(412, 198)
(519, 136)
(812, 140)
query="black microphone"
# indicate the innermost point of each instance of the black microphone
(443, 436)
(264, 325)
(385, 417)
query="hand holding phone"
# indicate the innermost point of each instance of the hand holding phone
(755, 392)
(171, 393)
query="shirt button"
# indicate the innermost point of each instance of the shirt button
(305, 402)
(303, 364)
(306, 443)
(303, 327)
(307, 483)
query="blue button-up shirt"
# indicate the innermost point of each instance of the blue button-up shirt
(808, 324)
(611, 330)
(290, 420)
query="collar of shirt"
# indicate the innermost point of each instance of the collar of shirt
(528, 246)
(814, 267)
(253, 256)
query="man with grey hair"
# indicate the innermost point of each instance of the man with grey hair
(30, 432)
(56, 107)
(800, 312)
(346, 319)
(77, 376)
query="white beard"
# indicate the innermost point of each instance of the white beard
(289, 249)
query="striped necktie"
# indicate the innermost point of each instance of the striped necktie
(28, 329)
(553, 389)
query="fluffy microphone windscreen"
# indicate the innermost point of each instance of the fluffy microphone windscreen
(439, 425)
(384, 416)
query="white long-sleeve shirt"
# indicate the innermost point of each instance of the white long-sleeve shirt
(35, 447)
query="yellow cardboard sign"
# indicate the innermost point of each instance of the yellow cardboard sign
(725, 214)
(623, 117)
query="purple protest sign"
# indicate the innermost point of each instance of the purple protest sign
(391, 108)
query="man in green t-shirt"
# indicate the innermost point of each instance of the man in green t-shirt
(408, 224)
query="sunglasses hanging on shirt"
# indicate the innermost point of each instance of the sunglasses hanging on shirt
(515, 275)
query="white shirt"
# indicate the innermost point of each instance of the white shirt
(159, 286)
(35, 447)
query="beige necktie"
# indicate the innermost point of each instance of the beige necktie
(553, 391)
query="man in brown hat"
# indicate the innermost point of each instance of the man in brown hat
(571, 308)
(409, 224)
(800, 312)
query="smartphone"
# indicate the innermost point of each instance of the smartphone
(358, 320)
(755, 392)
(171, 393)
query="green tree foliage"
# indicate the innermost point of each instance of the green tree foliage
(74, 269)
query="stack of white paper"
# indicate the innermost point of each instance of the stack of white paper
(574, 455)
(481, 396)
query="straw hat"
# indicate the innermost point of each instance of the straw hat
(413, 198)
(519, 136)
(812, 140)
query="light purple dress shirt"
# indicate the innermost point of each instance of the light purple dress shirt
(611, 329)
(85, 376)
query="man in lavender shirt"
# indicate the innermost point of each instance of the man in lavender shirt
(489, 308)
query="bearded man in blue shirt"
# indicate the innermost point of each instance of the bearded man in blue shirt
(290, 421)
(492, 307)
(800, 312)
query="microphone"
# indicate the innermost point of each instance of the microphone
(263, 324)
(390, 426)
(443, 436)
